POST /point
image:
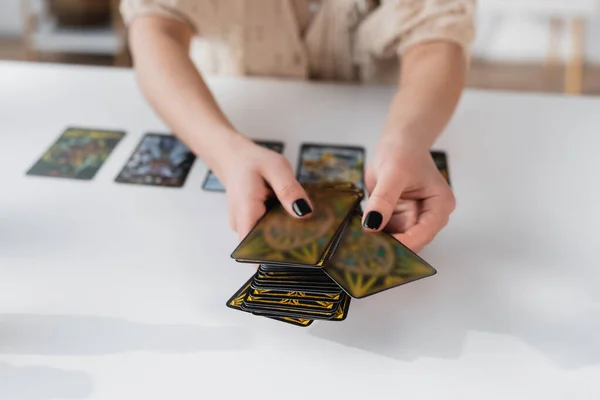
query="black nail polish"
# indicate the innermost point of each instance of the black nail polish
(301, 207)
(373, 220)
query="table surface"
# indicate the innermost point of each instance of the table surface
(111, 291)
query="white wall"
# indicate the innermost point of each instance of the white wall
(525, 38)
(512, 38)
(10, 17)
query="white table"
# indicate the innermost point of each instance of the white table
(111, 291)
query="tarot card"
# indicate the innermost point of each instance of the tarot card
(441, 162)
(282, 239)
(298, 287)
(286, 312)
(284, 294)
(236, 301)
(370, 262)
(330, 164)
(333, 186)
(213, 184)
(342, 311)
(159, 160)
(292, 304)
(301, 281)
(310, 276)
(268, 269)
(77, 154)
(339, 314)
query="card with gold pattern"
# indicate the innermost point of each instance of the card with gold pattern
(370, 262)
(292, 304)
(339, 314)
(280, 238)
(236, 301)
(284, 294)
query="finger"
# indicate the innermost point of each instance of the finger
(246, 203)
(434, 216)
(231, 214)
(247, 217)
(382, 201)
(370, 180)
(287, 189)
(406, 214)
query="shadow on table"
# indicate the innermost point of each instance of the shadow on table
(432, 317)
(43, 383)
(77, 335)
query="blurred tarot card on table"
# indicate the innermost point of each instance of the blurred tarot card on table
(329, 163)
(213, 184)
(77, 154)
(159, 160)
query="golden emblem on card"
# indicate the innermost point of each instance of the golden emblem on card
(280, 238)
(300, 295)
(291, 302)
(368, 255)
(342, 311)
(283, 233)
(370, 262)
(238, 298)
(237, 302)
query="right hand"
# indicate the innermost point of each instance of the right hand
(251, 174)
(408, 195)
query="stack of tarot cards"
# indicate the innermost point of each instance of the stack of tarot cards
(310, 268)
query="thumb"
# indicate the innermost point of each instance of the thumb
(251, 213)
(382, 201)
(246, 203)
(287, 189)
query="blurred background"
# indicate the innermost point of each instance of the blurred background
(548, 46)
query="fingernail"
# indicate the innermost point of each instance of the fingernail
(301, 207)
(373, 220)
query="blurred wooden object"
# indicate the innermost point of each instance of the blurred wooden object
(81, 13)
(79, 27)
(559, 12)
(574, 68)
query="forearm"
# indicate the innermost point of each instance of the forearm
(431, 82)
(175, 89)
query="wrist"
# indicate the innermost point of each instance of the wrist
(406, 140)
(411, 124)
(216, 149)
(229, 153)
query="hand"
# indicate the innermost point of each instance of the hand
(408, 195)
(251, 174)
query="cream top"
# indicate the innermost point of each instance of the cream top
(322, 39)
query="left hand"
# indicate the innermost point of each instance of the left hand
(408, 195)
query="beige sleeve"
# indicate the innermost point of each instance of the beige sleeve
(181, 10)
(398, 25)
